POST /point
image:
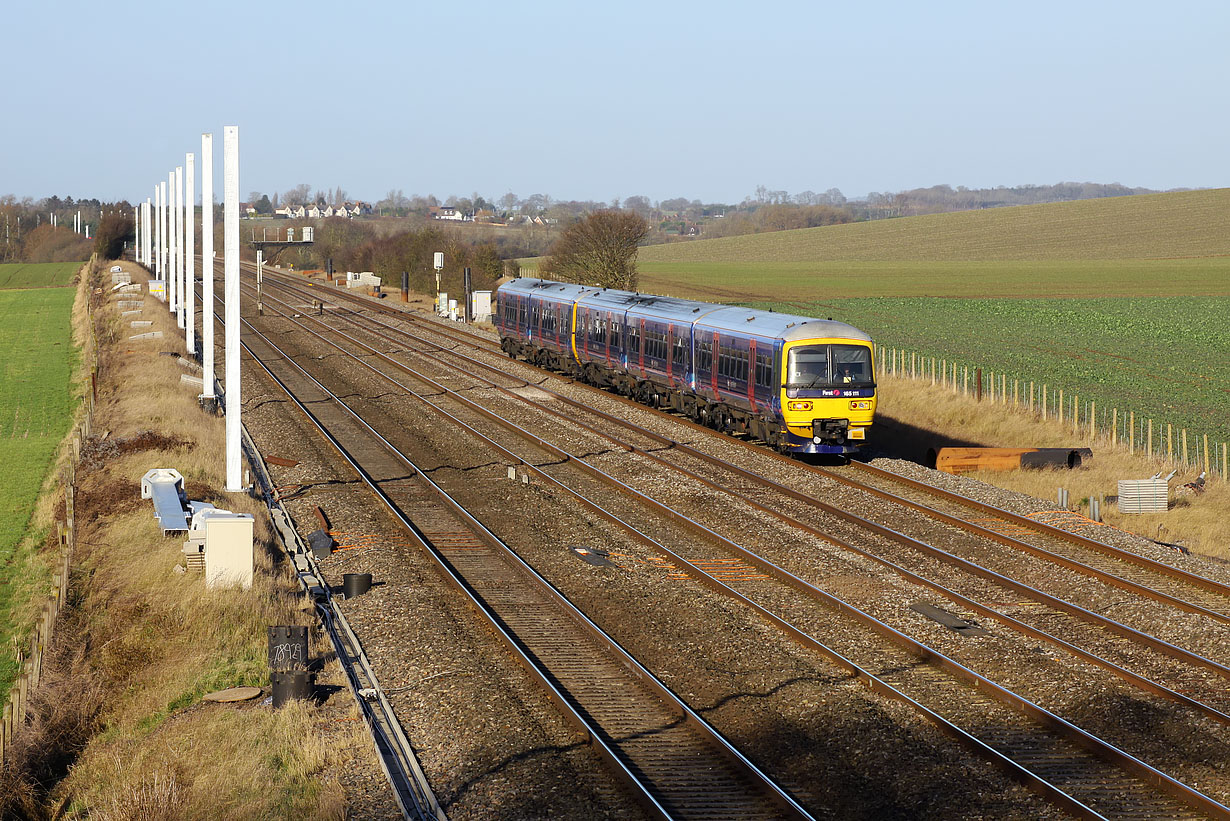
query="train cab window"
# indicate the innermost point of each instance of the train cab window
(852, 366)
(827, 365)
(808, 366)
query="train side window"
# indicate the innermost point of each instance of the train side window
(680, 353)
(764, 370)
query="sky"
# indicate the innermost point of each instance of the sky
(596, 101)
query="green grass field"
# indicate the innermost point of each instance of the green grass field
(36, 407)
(37, 275)
(1123, 301)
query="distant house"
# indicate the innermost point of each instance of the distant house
(314, 212)
(329, 212)
(448, 212)
(247, 208)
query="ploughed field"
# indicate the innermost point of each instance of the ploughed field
(832, 743)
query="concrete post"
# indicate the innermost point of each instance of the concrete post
(179, 245)
(136, 227)
(260, 281)
(230, 288)
(168, 204)
(158, 232)
(148, 226)
(190, 251)
(207, 264)
(166, 240)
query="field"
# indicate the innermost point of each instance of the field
(37, 275)
(1158, 226)
(1122, 301)
(36, 406)
(1165, 358)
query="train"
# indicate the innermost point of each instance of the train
(799, 384)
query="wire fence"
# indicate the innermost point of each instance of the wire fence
(1119, 428)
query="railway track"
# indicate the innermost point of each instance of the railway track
(1094, 792)
(673, 761)
(1123, 569)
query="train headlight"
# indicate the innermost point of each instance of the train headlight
(798, 406)
(860, 405)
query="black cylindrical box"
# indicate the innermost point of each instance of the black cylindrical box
(288, 684)
(288, 648)
(356, 584)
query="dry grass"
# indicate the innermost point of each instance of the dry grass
(914, 416)
(142, 642)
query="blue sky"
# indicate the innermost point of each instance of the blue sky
(596, 101)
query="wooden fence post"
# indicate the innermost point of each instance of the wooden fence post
(1184, 440)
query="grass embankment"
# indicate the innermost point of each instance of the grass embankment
(914, 416)
(141, 642)
(36, 411)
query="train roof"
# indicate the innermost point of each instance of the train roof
(787, 327)
(765, 323)
(556, 290)
(667, 308)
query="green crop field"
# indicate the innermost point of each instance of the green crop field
(37, 275)
(1165, 358)
(1157, 226)
(36, 408)
(1123, 301)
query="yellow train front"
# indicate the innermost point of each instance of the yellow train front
(828, 387)
(816, 392)
(802, 385)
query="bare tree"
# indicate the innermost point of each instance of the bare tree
(599, 249)
(639, 205)
(299, 195)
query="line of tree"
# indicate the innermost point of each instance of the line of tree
(27, 233)
(356, 245)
